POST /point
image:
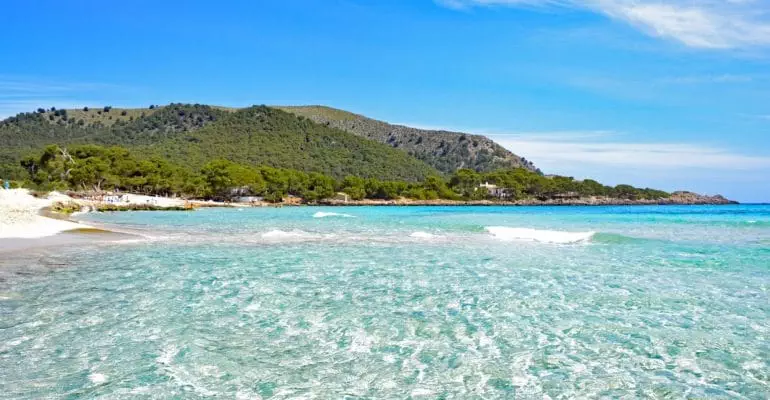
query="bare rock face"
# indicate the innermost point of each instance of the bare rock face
(444, 150)
(684, 197)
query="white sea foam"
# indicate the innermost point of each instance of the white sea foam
(168, 354)
(97, 378)
(322, 214)
(537, 235)
(277, 234)
(422, 235)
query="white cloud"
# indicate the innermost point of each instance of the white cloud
(723, 78)
(711, 24)
(561, 150)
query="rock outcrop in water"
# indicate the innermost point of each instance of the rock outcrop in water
(683, 197)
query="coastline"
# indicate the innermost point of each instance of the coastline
(677, 199)
(24, 216)
(31, 223)
(30, 220)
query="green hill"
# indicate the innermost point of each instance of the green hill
(195, 134)
(446, 151)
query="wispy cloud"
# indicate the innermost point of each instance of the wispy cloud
(549, 149)
(709, 24)
(721, 78)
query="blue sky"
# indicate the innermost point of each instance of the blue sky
(674, 95)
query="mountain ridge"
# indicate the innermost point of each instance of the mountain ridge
(447, 151)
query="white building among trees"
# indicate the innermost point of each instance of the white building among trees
(494, 190)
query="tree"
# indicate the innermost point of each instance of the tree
(354, 187)
(85, 109)
(225, 179)
(590, 187)
(91, 172)
(434, 184)
(319, 187)
(277, 183)
(107, 109)
(465, 182)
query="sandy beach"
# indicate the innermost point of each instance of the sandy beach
(20, 215)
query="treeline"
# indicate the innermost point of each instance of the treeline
(91, 167)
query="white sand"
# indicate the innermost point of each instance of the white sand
(20, 215)
(129, 198)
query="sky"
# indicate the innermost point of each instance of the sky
(667, 94)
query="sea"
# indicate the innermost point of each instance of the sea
(635, 302)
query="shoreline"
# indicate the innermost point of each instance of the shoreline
(31, 224)
(676, 199)
(485, 203)
(24, 216)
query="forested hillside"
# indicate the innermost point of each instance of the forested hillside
(91, 167)
(443, 150)
(329, 142)
(29, 132)
(192, 135)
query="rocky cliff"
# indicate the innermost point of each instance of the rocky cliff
(444, 150)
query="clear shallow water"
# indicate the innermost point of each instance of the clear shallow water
(455, 302)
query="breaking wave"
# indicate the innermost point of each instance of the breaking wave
(277, 234)
(537, 235)
(422, 235)
(322, 214)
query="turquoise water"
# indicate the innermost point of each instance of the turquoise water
(388, 302)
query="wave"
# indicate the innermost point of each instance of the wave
(753, 223)
(537, 235)
(322, 214)
(422, 235)
(277, 234)
(615, 238)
